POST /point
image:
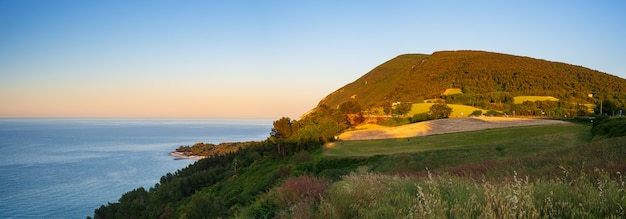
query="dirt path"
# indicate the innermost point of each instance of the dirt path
(440, 126)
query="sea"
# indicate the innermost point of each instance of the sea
(66, 168)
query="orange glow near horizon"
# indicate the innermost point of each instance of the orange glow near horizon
(150, 104)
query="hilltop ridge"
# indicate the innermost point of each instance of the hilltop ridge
(487, 79)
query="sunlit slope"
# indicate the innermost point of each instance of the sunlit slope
(440, 126)
(415, 77)
(457, 109)
(525, 138)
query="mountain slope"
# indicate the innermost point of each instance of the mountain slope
(483, 77)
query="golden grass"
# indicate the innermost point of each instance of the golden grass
(522, 99)
(452, 91)
(457, 109)
(440, 126)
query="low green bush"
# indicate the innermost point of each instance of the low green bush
(421, 117)
(398, 121)
(609, 127)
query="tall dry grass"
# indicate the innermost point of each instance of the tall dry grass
(383, 196)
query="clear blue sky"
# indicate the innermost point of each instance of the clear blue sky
(263, 59)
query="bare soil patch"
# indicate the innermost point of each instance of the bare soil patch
(440, 126)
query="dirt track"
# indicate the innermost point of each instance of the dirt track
(440, 126)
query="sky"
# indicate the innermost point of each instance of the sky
(263, 59)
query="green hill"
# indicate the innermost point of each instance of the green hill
(487, 80)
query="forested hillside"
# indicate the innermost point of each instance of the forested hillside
(488, 80)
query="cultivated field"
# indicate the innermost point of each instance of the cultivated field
(452, 91)
(522, 99)
(523, 139)
(440, 126)
(457, 109)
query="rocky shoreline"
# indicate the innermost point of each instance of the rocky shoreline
(181, 155)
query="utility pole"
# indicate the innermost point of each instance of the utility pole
(600, 107)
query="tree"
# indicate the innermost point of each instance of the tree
(440, 110)
(282, 130)
(606, 107)
(386, 106)
(403, 108)
(351, 107)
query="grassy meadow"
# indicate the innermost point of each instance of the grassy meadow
(452, 91)
(515, 140)
(573, 170)
(522, 99)
(457, 109)
(524, 172)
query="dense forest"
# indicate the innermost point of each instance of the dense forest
(488, 80)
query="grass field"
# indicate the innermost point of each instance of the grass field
(452, 91)
(526, 139)
(551, 171)
(525, 172)
(522, 99)
(457, 110)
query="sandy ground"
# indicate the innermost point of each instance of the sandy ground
(440, 126)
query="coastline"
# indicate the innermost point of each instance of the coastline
(181, 155)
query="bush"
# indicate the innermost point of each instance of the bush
(477, 113)
(301, 189)
(265, 208)
(395, 122)
(609, 127)
(421, 117)
(493, 113)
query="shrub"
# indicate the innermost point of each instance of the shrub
(493, 113)
(609, 127)
(421, 117)
(477, 113)
(301, 189)
(263, 209)
(398, 121)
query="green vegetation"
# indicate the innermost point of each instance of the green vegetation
(488, 81)
(559, 171)
(522, 99)
(207, 149)
(402, 108)
(434, 111)
(457, 110)
(440, 111)
(515, 139)
(605, 126)
(398, 121)
(571, 180)
(361, 196)
(528, 170)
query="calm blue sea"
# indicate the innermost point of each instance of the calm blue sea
(66, 168)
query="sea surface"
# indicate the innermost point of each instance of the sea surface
(66, 168)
